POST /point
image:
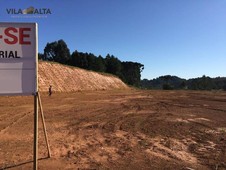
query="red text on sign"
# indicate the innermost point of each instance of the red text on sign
(17, 35)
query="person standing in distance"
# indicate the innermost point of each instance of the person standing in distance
(50, 90)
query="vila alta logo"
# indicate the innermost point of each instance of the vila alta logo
(30, 10)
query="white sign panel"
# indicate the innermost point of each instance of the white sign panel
(18, 58)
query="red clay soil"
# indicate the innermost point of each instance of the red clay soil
(123, 129)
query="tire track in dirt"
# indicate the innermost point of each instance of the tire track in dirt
(121, 136)
(2, 131)
(135, 131)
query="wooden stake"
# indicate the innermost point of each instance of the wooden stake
(35, 165)
(44, 125)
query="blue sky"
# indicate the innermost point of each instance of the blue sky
(186, 38)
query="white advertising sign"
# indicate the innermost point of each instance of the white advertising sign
(18, 58)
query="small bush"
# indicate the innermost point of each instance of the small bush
(167, 87)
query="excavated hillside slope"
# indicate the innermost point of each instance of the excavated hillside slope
(66, 79)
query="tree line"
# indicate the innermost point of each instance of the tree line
(169, 82)
(129, 72)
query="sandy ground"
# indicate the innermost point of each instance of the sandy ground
(67, 79)
(130, 129)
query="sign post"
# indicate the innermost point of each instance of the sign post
(35, 157)
(44, 125)
(19, 66)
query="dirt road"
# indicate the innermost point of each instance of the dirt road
(130, 129)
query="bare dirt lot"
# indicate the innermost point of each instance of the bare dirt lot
(130, 129)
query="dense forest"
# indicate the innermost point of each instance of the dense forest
(169, 82)
(129, 72)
